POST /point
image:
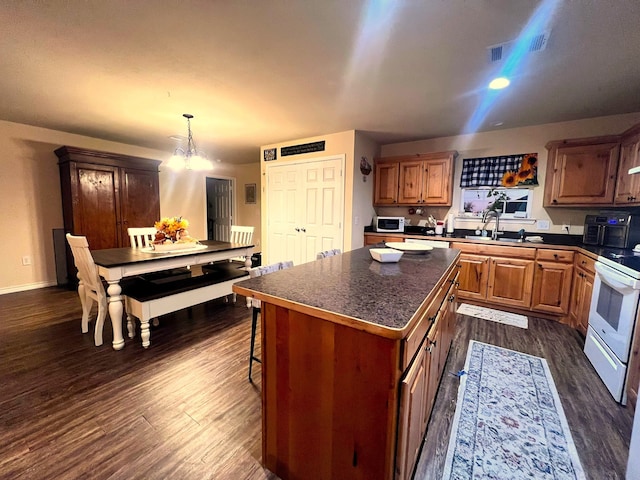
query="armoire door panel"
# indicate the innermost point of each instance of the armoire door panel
(96, 214)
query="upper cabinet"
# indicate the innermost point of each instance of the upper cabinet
(421, 179)
(628, 186)
(581, 172)
(594, 171)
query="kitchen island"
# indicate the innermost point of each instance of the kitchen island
(352, 354)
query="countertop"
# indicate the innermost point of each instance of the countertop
(354, 289)
(621, 256)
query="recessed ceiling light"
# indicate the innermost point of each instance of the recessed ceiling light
(499, 83)
(497, 124)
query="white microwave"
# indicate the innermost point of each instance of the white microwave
(388, 224)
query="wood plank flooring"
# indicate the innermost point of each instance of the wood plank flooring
(183, 409)
(601, 428)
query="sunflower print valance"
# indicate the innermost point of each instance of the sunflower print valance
(502, 171)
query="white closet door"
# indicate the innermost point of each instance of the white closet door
(282, 192)
(305, 209)
(322, 209)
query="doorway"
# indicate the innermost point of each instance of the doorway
(219, 208)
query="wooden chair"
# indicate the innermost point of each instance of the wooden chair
(243, 236)
(328, 253)
(255, 304)
(141, 236)
(90, 287)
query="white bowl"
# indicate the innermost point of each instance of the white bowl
(385, 255)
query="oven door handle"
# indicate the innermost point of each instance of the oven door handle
(615, 279)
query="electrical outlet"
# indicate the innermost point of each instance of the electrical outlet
(26, 260)
(566, 227)
(542, 225)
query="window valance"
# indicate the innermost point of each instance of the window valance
(502, 171)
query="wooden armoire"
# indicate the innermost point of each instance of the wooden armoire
(103, 194)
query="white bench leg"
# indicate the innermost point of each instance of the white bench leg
(131, 325)
(145, 333)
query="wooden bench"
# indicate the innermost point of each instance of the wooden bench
(146, 299)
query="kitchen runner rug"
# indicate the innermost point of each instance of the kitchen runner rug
(509, 423)
(494, 315)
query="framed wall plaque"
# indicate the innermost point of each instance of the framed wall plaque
(250, 193)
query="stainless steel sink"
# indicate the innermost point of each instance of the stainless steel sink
(488, 239)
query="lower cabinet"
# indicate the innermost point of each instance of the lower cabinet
(502, 275)
(583, 278)
(552, 281)
(422, 377)
(375, 239)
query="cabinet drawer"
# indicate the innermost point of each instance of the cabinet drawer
(547, 254)
(586, 263)
(495, 250)
(412, 341)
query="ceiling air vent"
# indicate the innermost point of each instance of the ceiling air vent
(534, 43)
(498, 52)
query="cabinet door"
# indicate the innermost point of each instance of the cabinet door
(386, 184)
(628, 186)
(96, 205)
(582, 175)
(474, 276)
(552, 287)
(634, 371)
(587, 290)
(434, 348)
(436, 184)
(510, 282)
(410, 184)
(140, 200)
(411, 425)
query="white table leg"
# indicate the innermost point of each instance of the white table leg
(115, 312)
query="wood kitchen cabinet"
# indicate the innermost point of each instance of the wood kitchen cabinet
(502, 275)
(421, 179)
(386, 183)
(628, 186)
(634, 370)
(583, 278)
(103, 194)
(420, 384)
(552, 281)
(581, 172)
(375, 239)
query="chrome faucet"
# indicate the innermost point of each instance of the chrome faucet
(486, 218)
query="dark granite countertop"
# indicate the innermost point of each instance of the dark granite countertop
(353, 286)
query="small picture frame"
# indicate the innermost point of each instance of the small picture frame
(250, 193)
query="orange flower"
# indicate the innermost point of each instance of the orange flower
(509, 179)
(529, 161)
(524, 175)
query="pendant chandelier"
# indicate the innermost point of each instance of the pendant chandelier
(189, 159)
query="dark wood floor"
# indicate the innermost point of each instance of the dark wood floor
(183, 409)
(600, 427)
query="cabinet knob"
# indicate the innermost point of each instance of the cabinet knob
(297, 229)
(452, 298)
(554, 201)
(555, 255)
(303, 229)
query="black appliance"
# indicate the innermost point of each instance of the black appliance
(612, 229)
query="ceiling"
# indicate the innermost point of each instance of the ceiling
(260, 72)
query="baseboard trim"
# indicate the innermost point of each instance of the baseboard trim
(28, 286)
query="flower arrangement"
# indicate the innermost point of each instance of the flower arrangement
(172, 230)
(526, 175)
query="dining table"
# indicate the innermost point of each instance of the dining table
(115, 264)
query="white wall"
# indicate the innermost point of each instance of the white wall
(514, 141)
(31, 205)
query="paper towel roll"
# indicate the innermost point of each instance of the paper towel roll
(450, 223)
